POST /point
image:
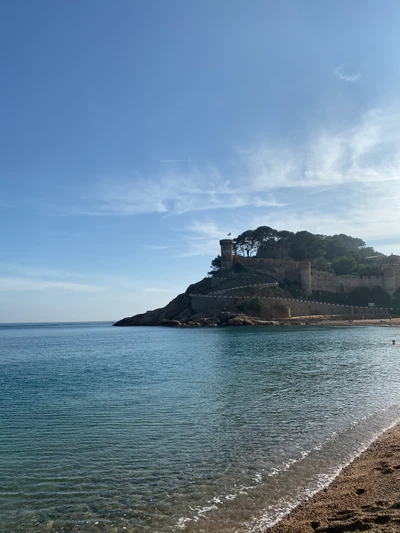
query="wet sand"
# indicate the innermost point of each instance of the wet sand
(364, 497)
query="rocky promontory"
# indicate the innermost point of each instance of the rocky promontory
(179, 312)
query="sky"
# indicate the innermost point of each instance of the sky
(136, 134)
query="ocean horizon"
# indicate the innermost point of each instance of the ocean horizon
(164, 430)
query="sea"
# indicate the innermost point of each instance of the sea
(160, 430)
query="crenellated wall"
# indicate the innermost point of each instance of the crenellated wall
(281, 268)
(311, 279)
(216, 303)
(325, 281)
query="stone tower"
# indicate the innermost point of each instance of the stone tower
(305, 276)
(389, 280)
(226, 253)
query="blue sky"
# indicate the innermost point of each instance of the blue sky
(136, 134)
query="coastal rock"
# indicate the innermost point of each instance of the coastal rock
(179, 312)
(224, 317)
(201, 287)
(171, 323)
(178, 309)
(240, 320)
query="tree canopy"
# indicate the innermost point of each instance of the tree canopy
(341, 254)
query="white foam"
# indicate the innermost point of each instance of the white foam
(274, 514)
(279, 509)
(181, 523)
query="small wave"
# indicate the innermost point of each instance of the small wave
(311, 471)
(181, 523)
(284, 506)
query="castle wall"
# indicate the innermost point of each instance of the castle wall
(325, 281)
(314, 280)
(351, 282)
(396, 271)
(280, 267)
(212, 304)
(305, 276)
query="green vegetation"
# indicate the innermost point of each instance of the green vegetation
(339, 254)
(215, 265)
(336, 254)
(359, 296)
(238, 267)
(251, 307)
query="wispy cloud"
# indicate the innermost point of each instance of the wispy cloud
(198, 189)
(39, 272)
(8, 283)
(33, 278)
(177, 161)
(337, 179)
(368, 152)
(156, 247)
(259, 176)
(339, 72)
(353, 175)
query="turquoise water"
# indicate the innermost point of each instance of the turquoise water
(157, 430)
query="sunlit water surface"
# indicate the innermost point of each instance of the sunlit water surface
(162, 430)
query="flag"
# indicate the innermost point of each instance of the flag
(229, 234)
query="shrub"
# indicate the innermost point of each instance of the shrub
(238, 267)
(280, 307)
(344, 265)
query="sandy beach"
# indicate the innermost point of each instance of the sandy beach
(364, 497)
(334, 320)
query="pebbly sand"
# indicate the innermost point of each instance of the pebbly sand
(364, 497)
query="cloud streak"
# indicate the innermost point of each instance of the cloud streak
(258, 176)
(338, 71)
(335, 180)
(9, 283)
(339, 181)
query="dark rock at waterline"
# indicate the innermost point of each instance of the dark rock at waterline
(171, 323)
(179, 313)
(178, 309)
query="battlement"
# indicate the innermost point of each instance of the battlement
(309, 278)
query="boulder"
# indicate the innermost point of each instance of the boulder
(240, 320)
(171, 323)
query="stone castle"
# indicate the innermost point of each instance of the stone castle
(309, 278)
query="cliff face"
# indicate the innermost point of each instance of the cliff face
(180, 313)
(178, 309)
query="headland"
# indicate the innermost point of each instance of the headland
(246, 290)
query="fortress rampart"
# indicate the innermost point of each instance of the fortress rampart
(309, 278)
(214, 303)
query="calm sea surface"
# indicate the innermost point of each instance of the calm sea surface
(161, 430)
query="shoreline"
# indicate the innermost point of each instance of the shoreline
(365, 496)
(334, 320)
